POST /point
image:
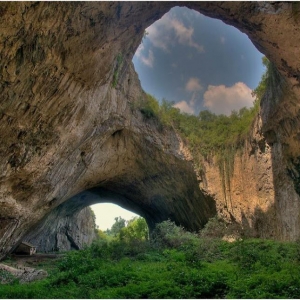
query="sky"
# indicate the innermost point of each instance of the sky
(107, 212)
(197, 62)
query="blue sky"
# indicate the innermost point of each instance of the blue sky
(197, 62)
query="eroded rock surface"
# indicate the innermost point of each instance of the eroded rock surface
(64, 229)
(68, 121)
(23, 274)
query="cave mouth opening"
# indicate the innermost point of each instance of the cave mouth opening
(198, 63)
(107, 213)
(85, 217)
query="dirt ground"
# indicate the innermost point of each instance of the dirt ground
(34, 261)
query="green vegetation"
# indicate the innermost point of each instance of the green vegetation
(261, 88)
(119, 63)
(175, 264)
(272, 83)
(210, 135)
(207, 133)
(122, 230)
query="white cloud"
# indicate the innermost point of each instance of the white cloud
(222, 100)
(158, 36)
(193, 85)
(139, 50)
(146, 60)
(185, 107)
(161, 32)
(222, 39)
(184, 35)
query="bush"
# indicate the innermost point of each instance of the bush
(196, 267)
(167, 235)
(218, 228)
(149, 107)
(136, 230)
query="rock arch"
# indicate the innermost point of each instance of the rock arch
(70, 225)
(69, 91)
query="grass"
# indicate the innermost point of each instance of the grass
(176, 264)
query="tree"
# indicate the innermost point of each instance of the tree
(117, 226)
(207, 116)
(136, 229)
(101, 234)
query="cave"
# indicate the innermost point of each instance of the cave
(69, 127)
(60, 230)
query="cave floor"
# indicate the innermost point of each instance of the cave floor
(37, 260)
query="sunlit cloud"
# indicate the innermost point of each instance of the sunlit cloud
(222, 100)
(185, 34)
(161, 34)
(139, 50)
(149, 60)
(185, 107)
(193, 85)
(146, 60)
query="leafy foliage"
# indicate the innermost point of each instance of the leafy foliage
(177, 263)
(167, 234)
(210, 135)
(136, 229)
(262, 86)
(116, 227)
(122, 230)
(119, 64)
(150, 107)
(184, 265)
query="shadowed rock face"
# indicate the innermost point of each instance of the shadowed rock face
(71, 224)
(64, 229)
(68, 122)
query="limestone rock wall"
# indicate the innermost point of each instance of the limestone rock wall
(247, 195)
(68, 121)
(64, 230)
(262, 193)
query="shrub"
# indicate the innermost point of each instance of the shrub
(119, 63)
(149, 107)
(168, 235)
(218, 228)
(136, 229)
(196, 267)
